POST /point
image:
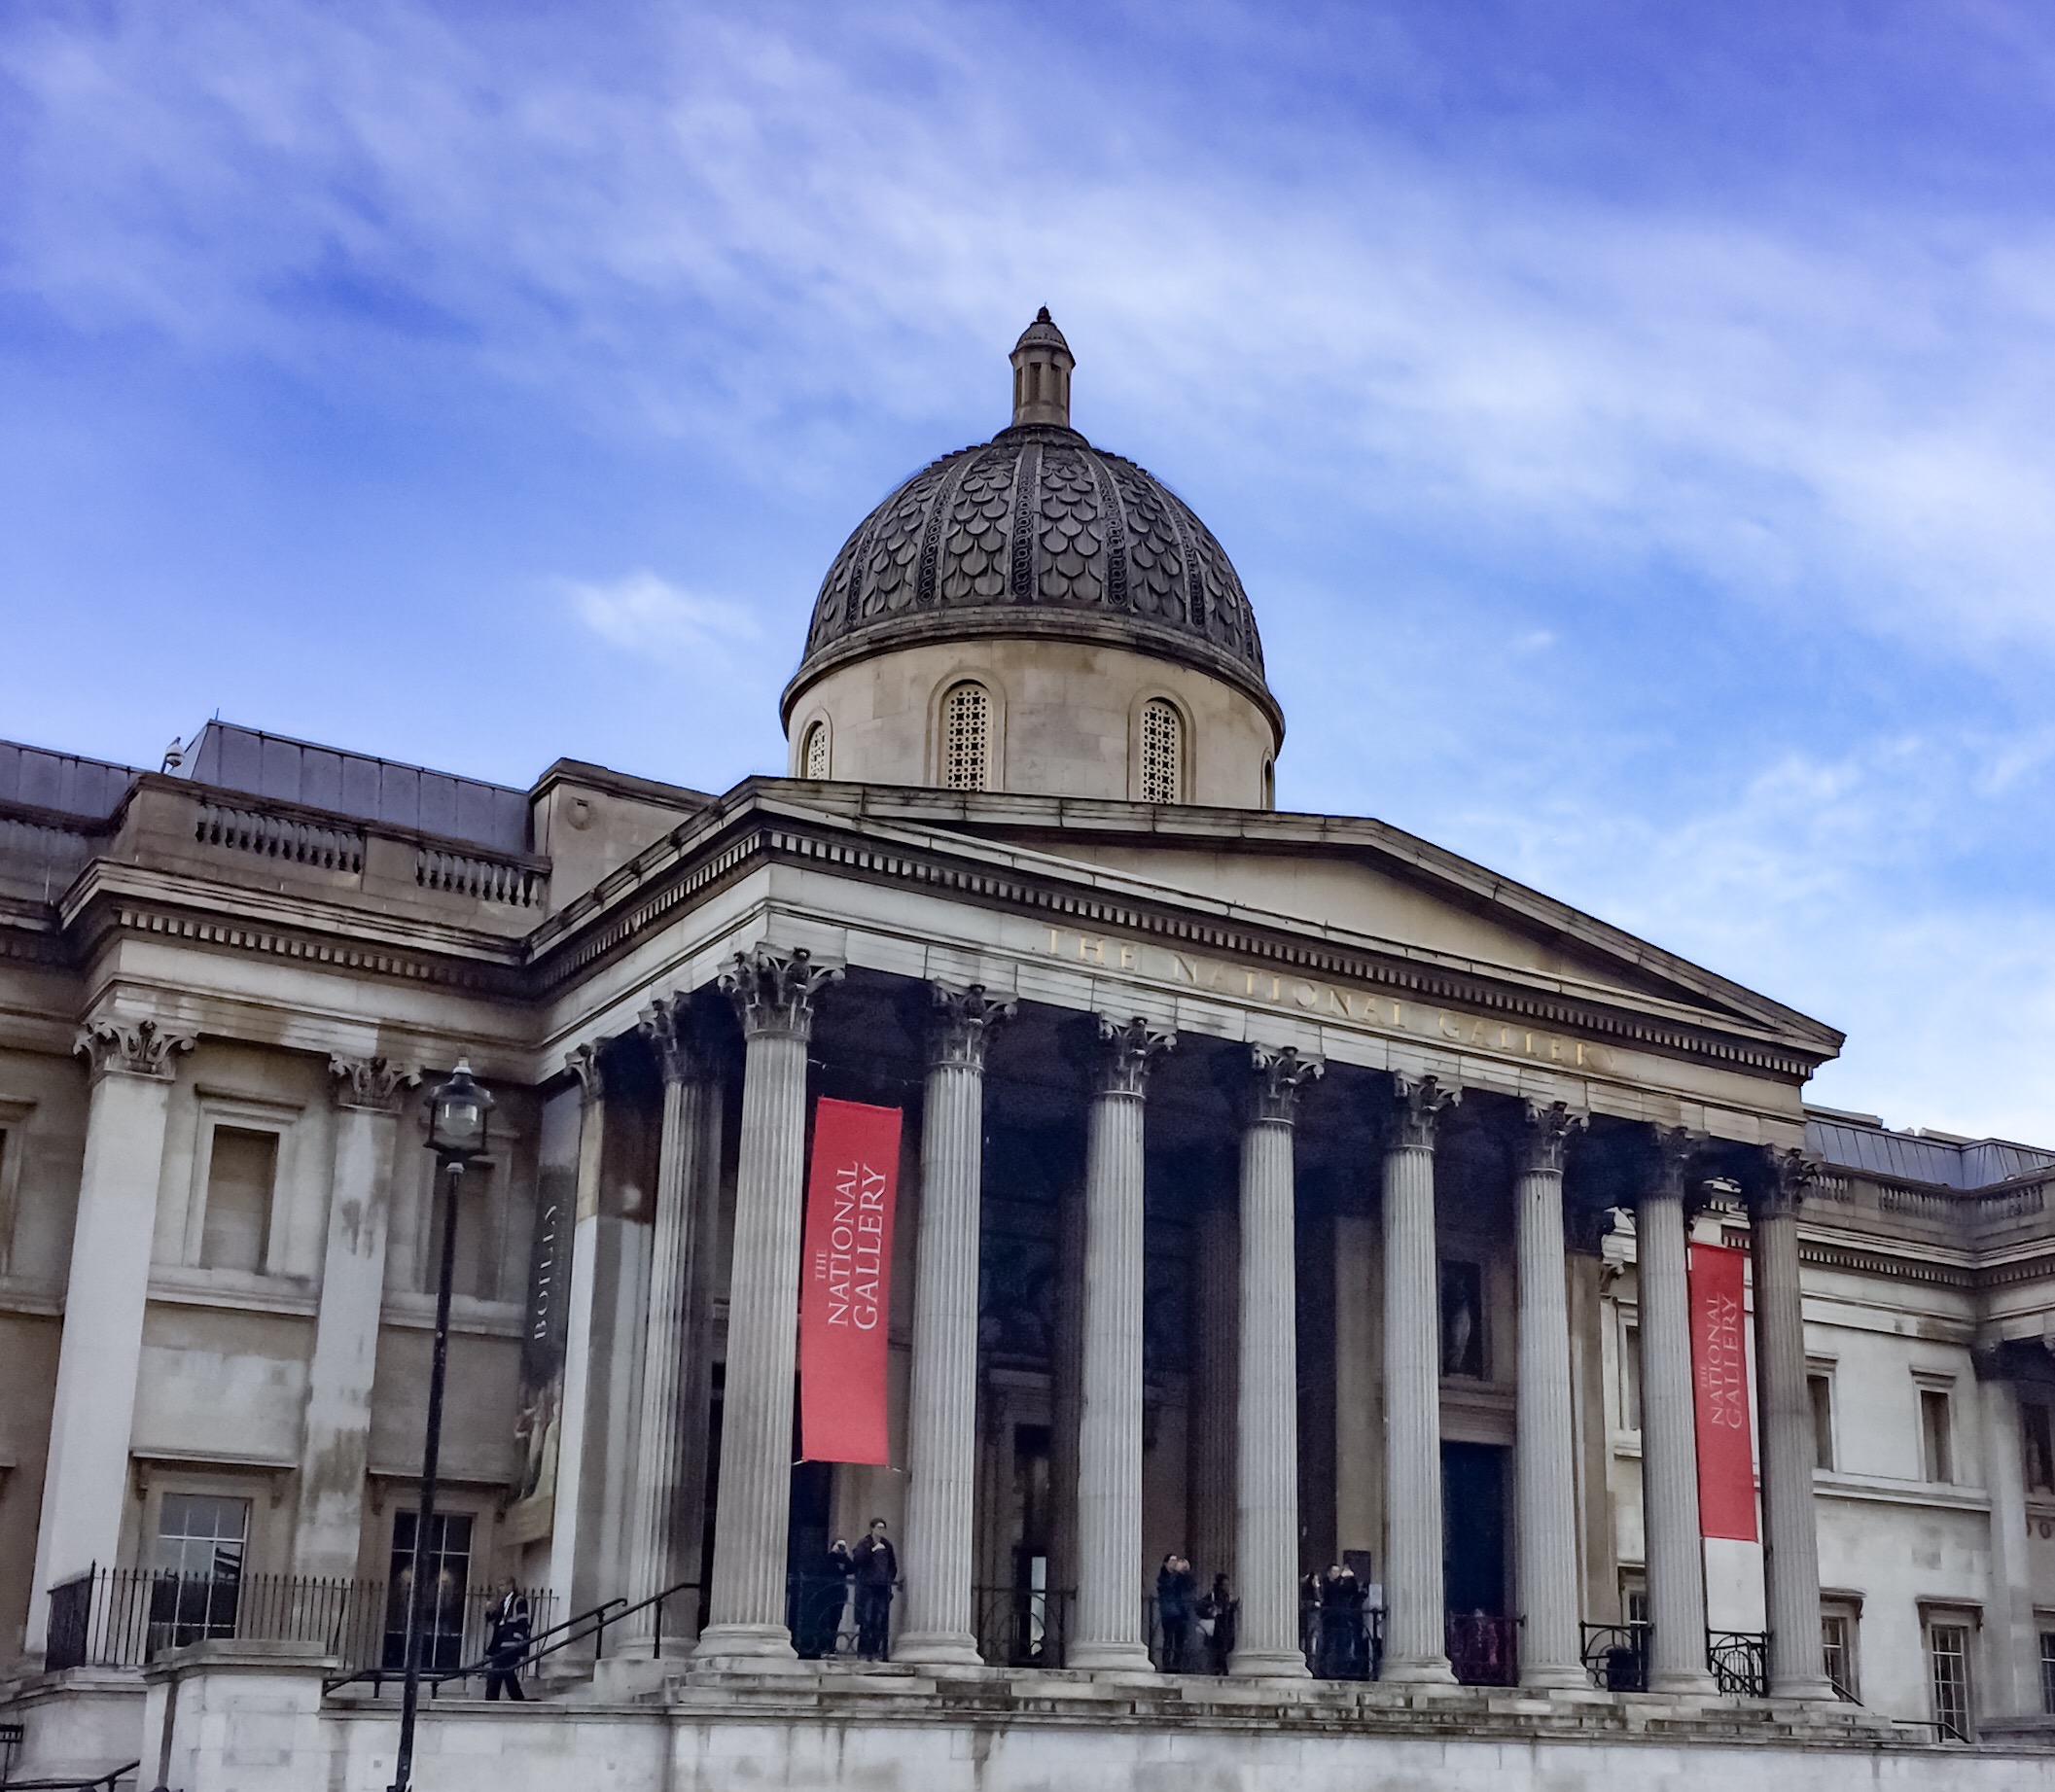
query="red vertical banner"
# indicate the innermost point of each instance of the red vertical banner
(1720, 1388)
(845, 1282)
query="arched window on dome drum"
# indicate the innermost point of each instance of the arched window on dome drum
(813, 760)
(965, 737)
(1162, 753)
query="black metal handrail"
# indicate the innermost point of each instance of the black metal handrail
(127, 1617)
(1023, 1626)
(1740, 1661)
(1483, 1648)
(105, 1782)
(1616, 1656)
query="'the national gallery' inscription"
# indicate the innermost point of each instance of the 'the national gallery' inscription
(1331, 1000)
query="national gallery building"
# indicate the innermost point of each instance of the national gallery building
(1341, 1319)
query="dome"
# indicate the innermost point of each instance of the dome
(1037, 533)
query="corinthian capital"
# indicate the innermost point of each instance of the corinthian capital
(374, 1084)
(673, 1035)
(1126, 1050)
(774, 989)
(1278, 1073)
(583, 1062)
(962, 1020)
(130, 1048)
(1674, 1147)
(1546, 1131)
(1780, 1191)
(1417, 1111)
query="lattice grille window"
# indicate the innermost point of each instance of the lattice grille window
(965, 738)
(1162, 749)
(814, 760)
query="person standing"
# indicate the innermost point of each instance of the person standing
(1341, 1624)
(1217, 1615)
(1177, 1594)
(507, 1643)
(876, 1569)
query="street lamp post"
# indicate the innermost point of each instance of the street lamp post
(457, 1133)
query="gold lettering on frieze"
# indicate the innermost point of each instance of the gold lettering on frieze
(1329, 1000)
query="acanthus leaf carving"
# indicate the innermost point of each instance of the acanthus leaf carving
(1546, 1131)
(378, 1084)
(130, 1049)
(1127, 1050)
(774, 989)
(1277, 1075)
(1417, 1110)
(962, 1022)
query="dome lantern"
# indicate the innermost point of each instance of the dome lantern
(1041, 375)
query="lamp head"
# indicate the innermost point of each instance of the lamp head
(456, 1117)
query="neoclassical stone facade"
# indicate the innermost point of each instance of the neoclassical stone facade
(1278, 1191)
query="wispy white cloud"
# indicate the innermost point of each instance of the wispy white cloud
(647, 614)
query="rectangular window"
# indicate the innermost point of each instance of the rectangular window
(236, 1227)
(1948, 1668)
(1634, 1599)
(447, 1561)
(1630, 1378)
(2035, 1440)
(1937, 1445)
(1837, 1644)
(1822, 1389)
(1463, 1320)
(200, 1540)
(2047, 1672)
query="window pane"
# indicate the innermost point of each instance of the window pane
(199, 1552)
(1162, 753)
(966, 724)
(2047, 1672)
(1836, 1645)
(235, 1230)
(1822, 1389)
(448, 1565)
(1948, 1661)
(816, 755)
(1630, 1379)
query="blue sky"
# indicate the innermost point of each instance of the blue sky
(1635, 424)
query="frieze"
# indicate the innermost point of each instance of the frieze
(1372, 1009)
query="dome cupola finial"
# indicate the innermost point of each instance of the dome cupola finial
(1041, 375)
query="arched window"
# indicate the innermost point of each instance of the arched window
(1270, 783)
(965, 737)
(813, 760)
(1162, 753)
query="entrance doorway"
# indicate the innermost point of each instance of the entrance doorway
(1481, 1636)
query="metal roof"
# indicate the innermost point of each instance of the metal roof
(1914, 1157)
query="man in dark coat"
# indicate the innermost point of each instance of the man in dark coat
(1177, 1600)
(507, 1643)
(876, 1569)
(1341, 1631)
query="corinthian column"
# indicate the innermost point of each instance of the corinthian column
(86, 1477)
(1266, 1455)
(943, 1422)
(658, 1521)
(335, 1437)
(1110, 1425)
(1669, 1441)
(1790, 1543)
(1416, 1641)
(773, 992)
(1544, 1471)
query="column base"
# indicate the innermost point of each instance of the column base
(1268, 1664)
(1110, 1658)
(747, 1648)
(1699, 1683)
(1427, 1670)
(1555, 1676)
(938, 1649)
(1821, 1688)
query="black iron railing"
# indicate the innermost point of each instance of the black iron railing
(100, 1782)
(1616, 1656)
(1022, 1627)
(1740, 1661)
(126, 1617)
(832, 1614)
(1484, 1649)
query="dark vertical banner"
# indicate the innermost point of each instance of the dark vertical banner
(1720, 1388)
(845, 1282)
(537, 1427)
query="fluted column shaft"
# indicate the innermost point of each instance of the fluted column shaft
(1416, 1643)
(655, 1514)
(1669, 1442)
(1266, 1457)
(773, 993)
(1791, 1542)
(1109, 1629)
(1545, 1470)
(942, 1416)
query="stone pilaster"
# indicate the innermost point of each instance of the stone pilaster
(661, 1523)
(335, 1437)
(1266, 1456)
(1544, 1462)
(86, 1477)
(775, 992)
(1416, 1641)
(1784, 1419)
(1669, 1442)
(2011, 1631)
(1108, 1627)
(573, 1525)
(943, 1413)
